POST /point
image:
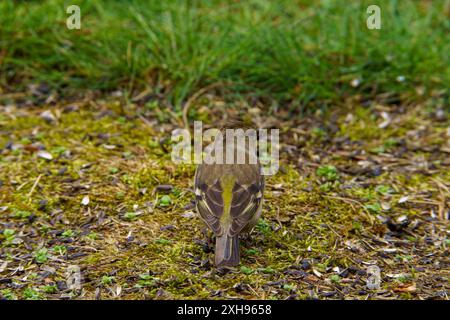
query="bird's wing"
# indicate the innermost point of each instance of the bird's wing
(210, 204)
(245, 203)
(246, 199)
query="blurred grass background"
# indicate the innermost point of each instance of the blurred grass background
(289, 50)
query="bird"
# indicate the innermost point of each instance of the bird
(229, 200)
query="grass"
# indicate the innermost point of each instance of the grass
(305, 53)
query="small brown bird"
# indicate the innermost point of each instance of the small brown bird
(229, 199)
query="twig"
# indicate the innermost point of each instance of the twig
(22, 185)
(334, 231)
(34, 185)
(192, 98)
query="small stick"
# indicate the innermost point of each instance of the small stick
(193, 98)
(34, 185)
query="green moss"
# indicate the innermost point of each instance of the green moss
(129, 238)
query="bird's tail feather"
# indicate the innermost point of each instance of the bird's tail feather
(227, 251)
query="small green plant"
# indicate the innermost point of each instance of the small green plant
(322, 267)
(263, 226)
(127, 154)
(8, 294)
(41, 255)
(151, 105)
(403, 258)
(289, 287)
(251, 252)
(31, 294)
(356, 226)
(385, 147)
(247, 270)
(49, 289)
(32, 276)
(21, 214)
(319, 133)
(107, 280)
(384, 190)
(61, 250)
(92, 236)
(404, 279)
(378, 150)
(8, 232)
(176, 192)
(122, 120)
(328, 186)
(165, 200)
(113, 170)
(68, 234)
(153, 144)
(335, 278)
(390, 143)
(58, 150)
(267, 270)
(145, 280)
(39, 136)
(162, 241)
(25, 140)
(374, 208)
(120, 195)
(9, 235)
(327, 172)
(162, 116)
(126, 178)
(130, 216)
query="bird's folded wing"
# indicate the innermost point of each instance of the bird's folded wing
(246, 201)
(210, 205)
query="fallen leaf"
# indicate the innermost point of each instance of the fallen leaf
(406, 288)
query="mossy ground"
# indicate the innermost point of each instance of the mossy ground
(337, 205)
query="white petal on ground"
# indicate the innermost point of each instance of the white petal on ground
(45, 155)
(85, 201)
